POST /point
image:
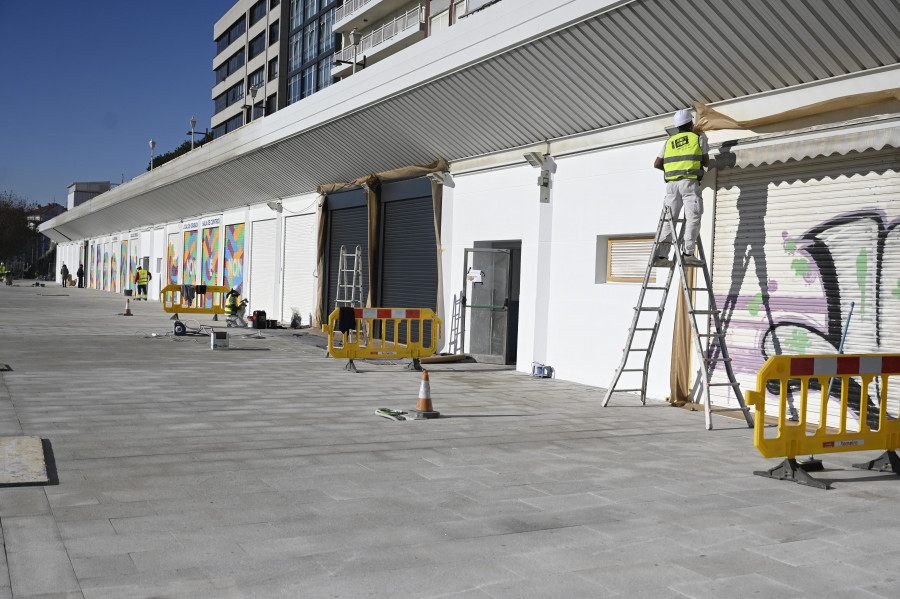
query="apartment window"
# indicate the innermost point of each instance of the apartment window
(325, 78)
(626, 259)
(257, 78)
(273, 69)
(257, 45)
(310, 42)
(296, 13)
(311, 8)
(234, 122)
(273, 33)
(257, 12)
(439, 22)
(295, 50)
(234, 32)
(229, 97)
(230, 66)
(274, 3)
(271, 104)
(326, 36)
(293, 88)
(309, 80)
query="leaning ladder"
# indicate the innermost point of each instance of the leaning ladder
(349, 285)
(715, 340)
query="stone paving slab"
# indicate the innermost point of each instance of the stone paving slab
(262, 471)
(22, 461)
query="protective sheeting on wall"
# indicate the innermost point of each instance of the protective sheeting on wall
(795, 244)
(263, 261)
(299, 267)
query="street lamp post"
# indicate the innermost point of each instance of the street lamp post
(152, 145)
(193, 124)
(355, 37)
(253, 90)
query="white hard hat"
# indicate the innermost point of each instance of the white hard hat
(683, 117)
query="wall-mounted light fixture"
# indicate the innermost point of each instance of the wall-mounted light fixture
(547, 165)
(275, 205)
(443, 178)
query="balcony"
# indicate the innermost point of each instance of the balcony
(388, 39)
(360, 13)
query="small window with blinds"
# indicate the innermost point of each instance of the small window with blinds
(627, 259)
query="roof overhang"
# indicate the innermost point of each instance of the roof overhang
(537, 70)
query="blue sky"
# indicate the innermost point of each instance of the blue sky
(86, 84)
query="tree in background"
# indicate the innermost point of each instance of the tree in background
(180, 150)
(15, 232)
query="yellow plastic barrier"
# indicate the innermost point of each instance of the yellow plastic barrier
(171, 299)
(370, 338)
(793, 436)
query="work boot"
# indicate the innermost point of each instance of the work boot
(662, 262)
(691, 260)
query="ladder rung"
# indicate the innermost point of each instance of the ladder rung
(744, 409)
(648, 309)
(632, 370)
(656, 288)
(705, 311)
(698, 288)
(626, 390)
(723, 385)
(640, 349)
(717, 359)
(710, 334)
(645, 329)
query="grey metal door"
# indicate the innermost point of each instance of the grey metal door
(485, 311)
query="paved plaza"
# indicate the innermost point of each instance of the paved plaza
(262, 471)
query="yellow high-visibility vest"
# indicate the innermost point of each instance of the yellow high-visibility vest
(683, 157)
(142, 277)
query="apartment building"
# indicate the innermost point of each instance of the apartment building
(381, 28)
(246, 63)
(269, 54)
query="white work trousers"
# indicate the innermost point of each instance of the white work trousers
(687, 192)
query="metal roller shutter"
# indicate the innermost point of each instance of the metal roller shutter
(263, 258)
(347, 227)
(299, 267)
(409, 251)
(795, 244)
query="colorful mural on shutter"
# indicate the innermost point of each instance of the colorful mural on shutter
(210, 257)
(234, 257)
(113, 267)
(189, 263)
(105, 286)
(172, 261)
(98, 267)
(126, 271)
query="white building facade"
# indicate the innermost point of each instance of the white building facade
(801, 209)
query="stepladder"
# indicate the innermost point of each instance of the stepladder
(709, 344)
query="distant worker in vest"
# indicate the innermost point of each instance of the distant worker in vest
(141, 277)
(234, 310)
(80, 274)
(682, 158)
(64, 271)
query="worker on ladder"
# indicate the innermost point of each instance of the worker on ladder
(682, 158)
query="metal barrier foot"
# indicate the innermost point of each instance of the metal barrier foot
(414, 365)
(351, 367)
(790, 470)
(174, 316)
(811, 465)
(889, 461)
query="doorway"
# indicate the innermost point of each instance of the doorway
(490, 306)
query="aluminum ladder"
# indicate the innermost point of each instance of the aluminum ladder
(349, 285)
(715, 351)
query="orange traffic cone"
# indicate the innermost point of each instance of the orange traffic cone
(128, 307)
(424, 409)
